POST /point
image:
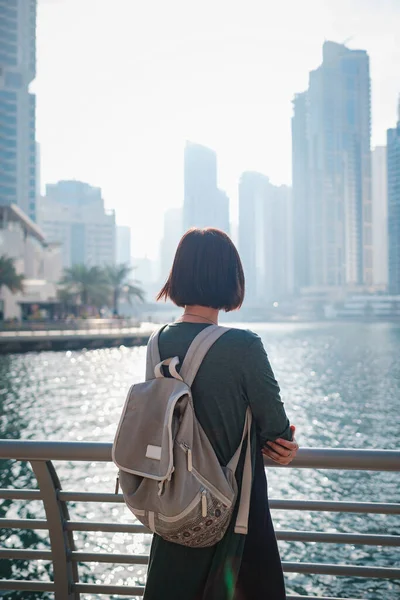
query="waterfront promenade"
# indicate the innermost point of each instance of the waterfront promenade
(74, 335)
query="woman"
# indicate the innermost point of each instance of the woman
(206, 277)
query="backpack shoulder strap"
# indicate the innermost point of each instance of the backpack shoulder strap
(153, 353)
(197, 351)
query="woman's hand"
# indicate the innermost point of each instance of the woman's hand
(282, 451)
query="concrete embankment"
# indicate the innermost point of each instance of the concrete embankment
(36, 341)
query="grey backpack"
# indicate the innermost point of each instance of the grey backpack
(169, 473)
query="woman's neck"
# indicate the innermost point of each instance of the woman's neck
(200, 314)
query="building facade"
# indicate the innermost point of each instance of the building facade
(72, 213)
(173, 231)
(252, 193)
(123, 252)
(204, 204)
(220, 217)
(393, 187)
(301, 200)
(18, 105)
(265, 239)
(278, 244)
(337, 146)
(380, 216)
(39, 262)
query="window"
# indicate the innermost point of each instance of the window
(7, 190)
(8, 120)
(368, 258)
(9, 36)
(8, 155)
(9, 11)
(8, 96)
(7, 179)
(8, 168)
(350, 113)
(368, 213)
(13, 80)
(8, 47)
(7, 108)
(7, 131)
(6, 59)
(9, 25)
(350, 67)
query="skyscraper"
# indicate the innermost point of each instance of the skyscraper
(72, 213)
(336, 143)
(172, 234)
(265, 239)
(123, 242)
(17, 104)
(380, 215)
(252, 194)
(220, 216)
(301, 200)
(278, 243)
(204, 204)
(393, 179)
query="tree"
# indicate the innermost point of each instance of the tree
(68, 300)
(9, 276)
(88, 284)
(122, 286)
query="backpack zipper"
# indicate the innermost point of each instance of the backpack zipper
(212, 489)
(188, 451)
(204, 508)
(116, 484)
(225, 501)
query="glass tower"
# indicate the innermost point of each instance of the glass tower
(332, 172)
(17, 104)
(393, 180)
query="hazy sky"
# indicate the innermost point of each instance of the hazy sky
(121, 84)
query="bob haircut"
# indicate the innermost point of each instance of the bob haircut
(207, 271)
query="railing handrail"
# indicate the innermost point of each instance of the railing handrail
(313, 458)
(65, 556)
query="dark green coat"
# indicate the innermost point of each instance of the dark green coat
(235, 374)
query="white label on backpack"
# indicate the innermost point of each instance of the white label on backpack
(153, 452)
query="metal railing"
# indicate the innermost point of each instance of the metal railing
(65, 557)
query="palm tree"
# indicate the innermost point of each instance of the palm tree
(122, 286)
(9, 276)
(68, 300)
(88, 284)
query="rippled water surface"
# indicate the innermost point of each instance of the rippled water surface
(341, 387)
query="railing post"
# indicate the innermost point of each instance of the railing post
(61, 540)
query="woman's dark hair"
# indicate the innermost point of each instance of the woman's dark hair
(207, 271)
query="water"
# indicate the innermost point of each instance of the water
(341, 387)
